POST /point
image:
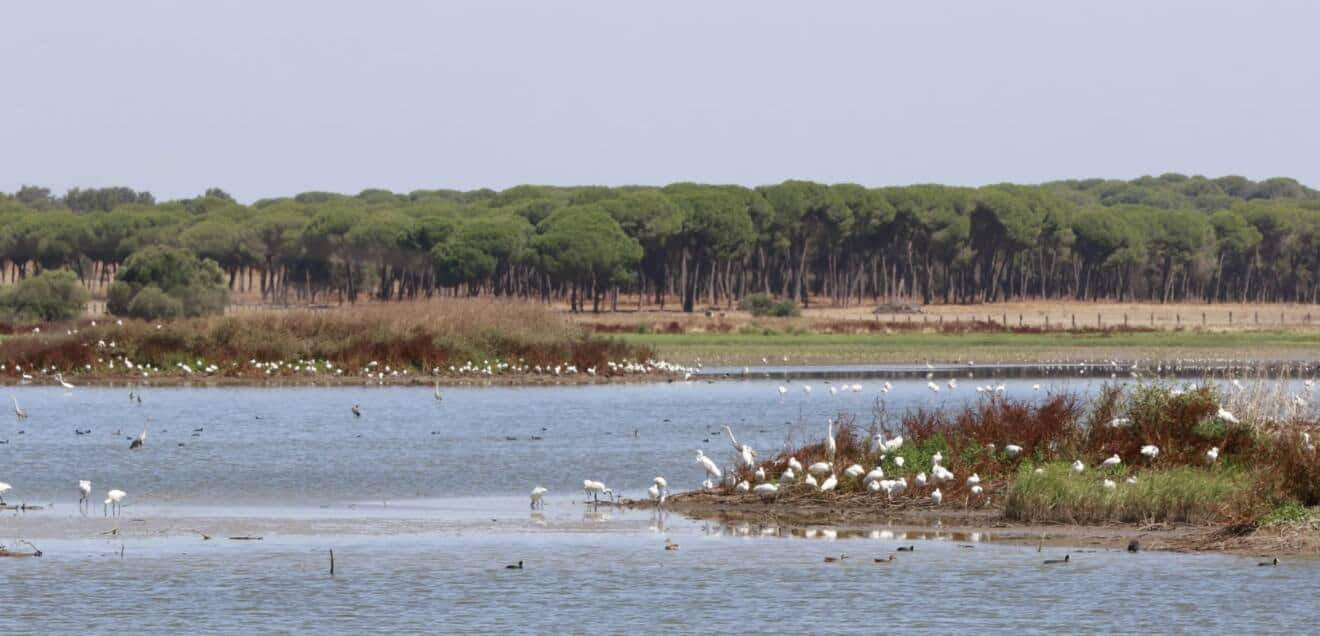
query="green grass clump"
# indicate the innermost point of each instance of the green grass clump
(1178, 494)
(1287, 513)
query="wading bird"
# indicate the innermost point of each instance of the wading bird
(595, 489)
(830, 446)
(1078, 467)
(538, 497)
(937, 496)
(438, 397)
(4, 488)
(59, 377)
(709, 465)
(1212, 454)
(84, 492)
(137, 443)
(1151, 451)
(113, 499)
(830, 483)
(766, 491)
(1227, 416)
(1113, 461)
(18, 410)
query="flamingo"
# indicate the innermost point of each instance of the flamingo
(113, 499)
(538, 494)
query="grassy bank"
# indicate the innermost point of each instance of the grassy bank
(1174, 456)
(462, 339)
(751, 345)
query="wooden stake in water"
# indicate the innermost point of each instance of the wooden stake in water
(332, 563)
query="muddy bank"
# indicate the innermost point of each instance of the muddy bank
(861, 513)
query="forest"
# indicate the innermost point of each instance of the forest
(1152, 239)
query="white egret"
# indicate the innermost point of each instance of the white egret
(538, 495)
(974, 479)
(794, 464)
(4, 488)
(766, 491)
(875, 486)
(743, 486)
(937, 458)
(84, 490)
(438, 397)
(113, 499)
(894, 444)
(830, 446)
(921, 479)
(1078, 467)
(937, 496)
(760, 474)
(820, 469)
(854, 471)
(876, 474)
(787, 476)
(18, 410)
(934, 388)
(1227, 416)
(783, 390)
(1109, 484)
(1012, 450)
(1113, 461)
(810, 481)
(1130, 481)
(830, 483)
(1119, 422)
(806, 388)
(59, 377)
(898, 461)
(1151, 451)
(1035, 387)
(977, 490)
(709, 465)
(834, 391)
(1212, 455)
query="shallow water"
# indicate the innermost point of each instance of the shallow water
(424, 502)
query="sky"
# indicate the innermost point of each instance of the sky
(270, 98)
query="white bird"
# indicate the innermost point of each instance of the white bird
(937, 458)
(113, 499)
(766, 491)
(595, 489)
(898, 461)
(830, 446)
(783, 390)
(1113, 461)
(934, 388)
(760, 474)
(787, 476)
(806, 388)
(59, 377)
(894, 444)
(538, 494)
(921, 479)
(1078, 467)
(810, 481)
(438, 397)
(709, 465)
(1227, 416)
(876, 486)
(830, 483)
(1109, 484)
(743, 486)
(84, 489)
(974, 479)
(18, 411)
(854, 471)
(1212, 454)
(820, 469)
(1151, 451)
(834, 391)
(794, 464)
(662, 483)
(1130, 481)
(941, 474)
(1035, 387)
(4, 488)
(937, 496)
(876, 474)
(708, 484)
(1012, 450)
(977, 490)
(953, 383)
(1119, 422)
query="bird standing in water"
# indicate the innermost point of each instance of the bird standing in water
(137, 443)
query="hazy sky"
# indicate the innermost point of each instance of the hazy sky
(267, 98)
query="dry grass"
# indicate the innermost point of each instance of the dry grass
(414, 336)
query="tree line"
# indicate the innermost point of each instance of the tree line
(1166, 238)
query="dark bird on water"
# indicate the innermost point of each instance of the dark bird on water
(519, 566)
(1134, 545)
(838, 558)
(357, 412)
(907, 548)
(1066, 558)
(885, 560)
(1270, 563)
(137, 443)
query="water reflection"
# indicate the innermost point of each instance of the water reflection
(831, 533)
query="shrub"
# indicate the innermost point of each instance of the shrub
(758, 304)
(176, 282)
(50, 295)
(784, 309)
